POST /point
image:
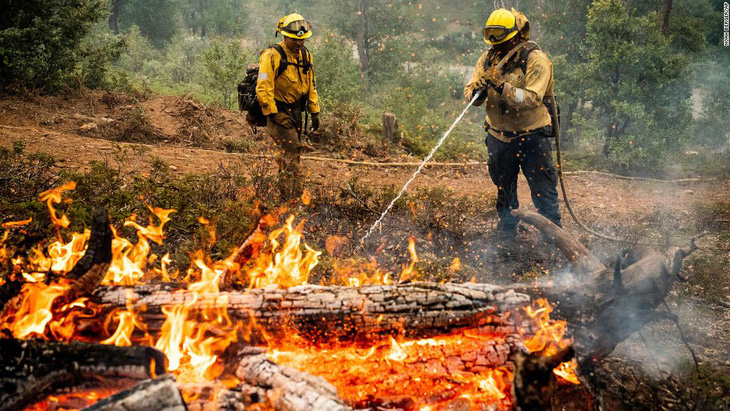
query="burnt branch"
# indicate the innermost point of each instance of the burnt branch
(91, 268)
(584, 262)
(248, 250)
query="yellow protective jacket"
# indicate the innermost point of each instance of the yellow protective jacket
(290, 86)
(519, 109)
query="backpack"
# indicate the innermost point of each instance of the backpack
(247, 100)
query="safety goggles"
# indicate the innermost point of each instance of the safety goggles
(299, 27)
(496, 34)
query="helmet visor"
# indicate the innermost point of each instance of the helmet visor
(496, 34)
(299, 27)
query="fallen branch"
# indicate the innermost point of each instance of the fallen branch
(607, 305)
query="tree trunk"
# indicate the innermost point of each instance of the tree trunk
(362, 36)
(203, 31)
(666, 13)
(116, 8)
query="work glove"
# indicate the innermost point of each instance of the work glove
(473, 88)
(282, 119)
(493, 79)
(315, 121)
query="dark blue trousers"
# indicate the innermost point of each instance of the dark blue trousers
(534, 155)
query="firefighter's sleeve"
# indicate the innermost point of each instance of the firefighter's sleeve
(268, 64)
(313, 95)
(475, 76)
(537, 78)
(478, 72)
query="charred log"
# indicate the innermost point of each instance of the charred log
(99, 249)
(288, 389)
(156, 394)
(88, 272)
(91, 268)
(326, 314)
(34, 368)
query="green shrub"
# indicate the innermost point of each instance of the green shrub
(224, 63)
(338, 75)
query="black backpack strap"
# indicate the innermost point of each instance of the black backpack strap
(284, 61)
(306, 60)
(522, 59)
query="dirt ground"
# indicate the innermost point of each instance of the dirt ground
(191, 138)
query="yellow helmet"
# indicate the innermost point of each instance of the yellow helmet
(501, 26)
(294, 26)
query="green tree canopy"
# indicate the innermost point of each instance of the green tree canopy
(40, 41)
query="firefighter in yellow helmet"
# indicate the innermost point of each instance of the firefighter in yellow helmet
(515, 77)
(286, 87)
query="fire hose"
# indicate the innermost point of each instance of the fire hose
(556, 131)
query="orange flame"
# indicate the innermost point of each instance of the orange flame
(127, 322)
(54, 196)
(193, 340)
(34, 313)
(408, 272)
(289, 266)
(549, 338)
(129, 261)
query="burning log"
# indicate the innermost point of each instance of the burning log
(326, 314)
(607, 305)
(156, 394)
(34, 368)
(288, 389)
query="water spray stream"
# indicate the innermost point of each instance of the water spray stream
(418, 171)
